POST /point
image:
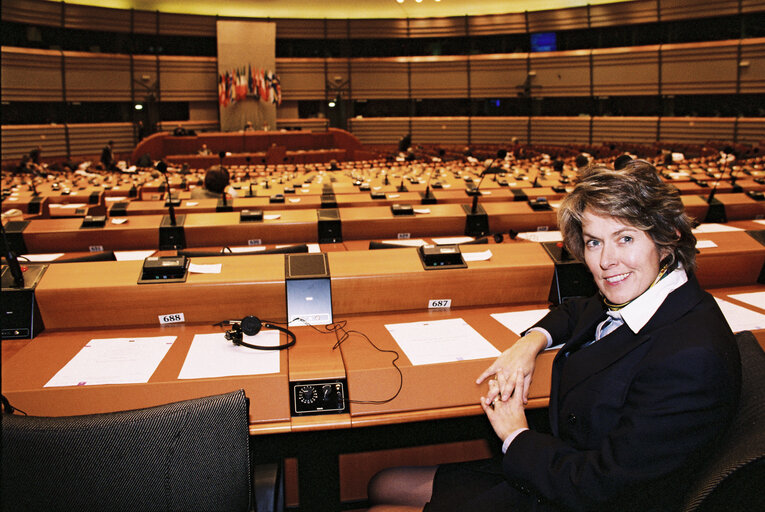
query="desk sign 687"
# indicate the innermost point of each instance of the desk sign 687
(173, 318)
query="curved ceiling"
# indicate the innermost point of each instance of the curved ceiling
(341, 9)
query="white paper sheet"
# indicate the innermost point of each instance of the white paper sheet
(413, 242)
(422, 211)
(477, 256)
(715, 228)
(41, 258)
(133, 255)
(272, 216)
(212, 268)
(314, 248)
(113, 361)
(212, 355)
(453, 240)
(756, 299)
(520, 321)
(705, 244)
(441, 341)
(248, 248)
(541, 236)
(119, 220)
(740, 318)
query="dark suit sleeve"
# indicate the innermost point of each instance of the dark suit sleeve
(561, 321)
(676, 404)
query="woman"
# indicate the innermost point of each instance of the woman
(646, 382)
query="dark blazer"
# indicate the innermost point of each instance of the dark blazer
(633, 414)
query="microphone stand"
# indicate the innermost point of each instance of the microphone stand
(716, 211)
(171, 232)
(477, 221)
(428, 197)
(13, 262)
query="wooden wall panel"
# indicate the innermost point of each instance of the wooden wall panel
(753, 66)
(560, 130)
(89, 139)
(697, 130)
(30, 75)
(301, 79)
(19, 140)
(97, 75)
(48, 13)
(372, 29)
(700, 68)
(624, 129)
(626, 71)
(439, 130)
(561, 73)
(623, 13)
(437, 27)
(145, 22)
(187, 24)
(188, 78)
(86, 17)
(558, 19)
(439, 77)
(685, 9)
(34, 12)
(386, 130)
(497, 76)
(499, 130)
(751, 130)
(145, 74)
(310, 28)
(379, 79)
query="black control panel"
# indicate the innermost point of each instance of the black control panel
(318, 397)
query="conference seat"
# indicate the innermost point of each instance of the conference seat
(732, 480)
(192, 455)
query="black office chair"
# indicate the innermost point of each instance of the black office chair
(733, 478)
(182, 456)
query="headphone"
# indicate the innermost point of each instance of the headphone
(251, 325)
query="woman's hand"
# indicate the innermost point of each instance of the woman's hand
(506, 417)
(521, 357)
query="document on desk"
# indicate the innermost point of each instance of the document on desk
(520, 321)
(739, 318)
(441, 341)
(114, 361)
(212, 355)
(756, 299)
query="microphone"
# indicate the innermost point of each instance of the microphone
(476, 193)
(727, 150)
(13, 262)
(162, 167)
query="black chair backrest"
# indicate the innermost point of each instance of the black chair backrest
(190, 455)
(733, 479)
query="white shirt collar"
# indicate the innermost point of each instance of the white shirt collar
(638, 312)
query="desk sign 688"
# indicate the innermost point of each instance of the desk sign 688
(173, 318)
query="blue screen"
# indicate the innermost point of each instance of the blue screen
(544, 42)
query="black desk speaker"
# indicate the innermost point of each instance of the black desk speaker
(571, 277)
(21, 316)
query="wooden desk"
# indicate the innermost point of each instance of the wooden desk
(66, 235)
(736, 261)
(26, 373)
